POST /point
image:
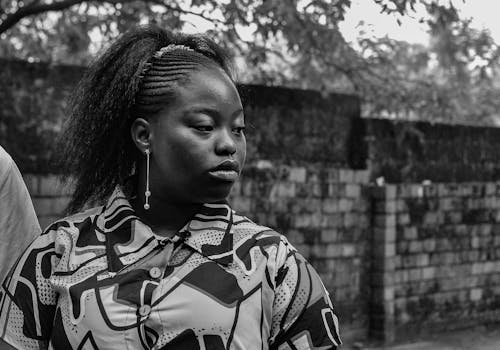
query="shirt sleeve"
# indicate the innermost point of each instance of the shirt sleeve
(303, 315)
(27, 298)
(18, 222)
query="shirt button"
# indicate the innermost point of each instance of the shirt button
(155, 272)
(144, 310)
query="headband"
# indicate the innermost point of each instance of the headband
(161, 53)
(169, 48)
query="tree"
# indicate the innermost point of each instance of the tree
(453, 80)
(294, 43)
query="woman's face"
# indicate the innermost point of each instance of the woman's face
(197, 144)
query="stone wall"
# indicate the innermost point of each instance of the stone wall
(437, 257)
(299, 176)
(418, 151)
(33, 107)
(50, 197)
(291, 126)
(396, 258)
(399, 260)
(301, 127)
(322, 211)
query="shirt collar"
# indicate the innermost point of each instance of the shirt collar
(128, 239)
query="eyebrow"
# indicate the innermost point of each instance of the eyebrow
(213, 112)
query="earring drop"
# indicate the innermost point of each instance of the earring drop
(147, 193)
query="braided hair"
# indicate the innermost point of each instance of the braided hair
(137, 76)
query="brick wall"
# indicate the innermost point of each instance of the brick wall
(301, 127)
(396, 258)
(437, 257)
(418, 151)
(50, 197)
(33, 106)
(298, 178)
(34, 109)
(324, 212)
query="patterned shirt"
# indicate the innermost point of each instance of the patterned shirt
(101, 279)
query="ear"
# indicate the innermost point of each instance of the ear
(141, 132)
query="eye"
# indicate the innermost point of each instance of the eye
(239, 130)
(203, 128)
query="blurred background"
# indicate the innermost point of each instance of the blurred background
(410, 59)
(373, 140)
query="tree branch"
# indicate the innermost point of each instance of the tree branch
(34, 8)
(184, 11)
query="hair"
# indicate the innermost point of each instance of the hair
(131, 79)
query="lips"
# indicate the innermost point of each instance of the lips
(228, 170)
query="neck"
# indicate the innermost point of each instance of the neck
(165, 216)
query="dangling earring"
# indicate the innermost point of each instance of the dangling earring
(147, 193)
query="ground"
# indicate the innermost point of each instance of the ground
(479, 338)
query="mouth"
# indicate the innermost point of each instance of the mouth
(229, 170)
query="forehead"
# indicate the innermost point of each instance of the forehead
(209, 85)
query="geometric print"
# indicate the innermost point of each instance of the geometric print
(102, 279)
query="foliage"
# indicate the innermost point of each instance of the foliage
(294, 43)
(453, 80)
(33, 110)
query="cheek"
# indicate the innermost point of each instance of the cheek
(242, 152)
(184, 154)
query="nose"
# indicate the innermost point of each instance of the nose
(225, 143)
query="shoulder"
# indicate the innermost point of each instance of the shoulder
(71, 231)
(73, 223)
(248, 235)
(73, 239)
(6, 165)
(61, 246)
(5, 158)
(245, 229)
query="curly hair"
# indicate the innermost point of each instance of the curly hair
(127, 81)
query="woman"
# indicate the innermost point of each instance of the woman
(164, 263)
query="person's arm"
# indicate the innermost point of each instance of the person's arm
(27, 298)
(18, 222)
(303, 315)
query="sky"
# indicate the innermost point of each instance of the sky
(484, 14)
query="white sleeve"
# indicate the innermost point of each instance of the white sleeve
(18, 222)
